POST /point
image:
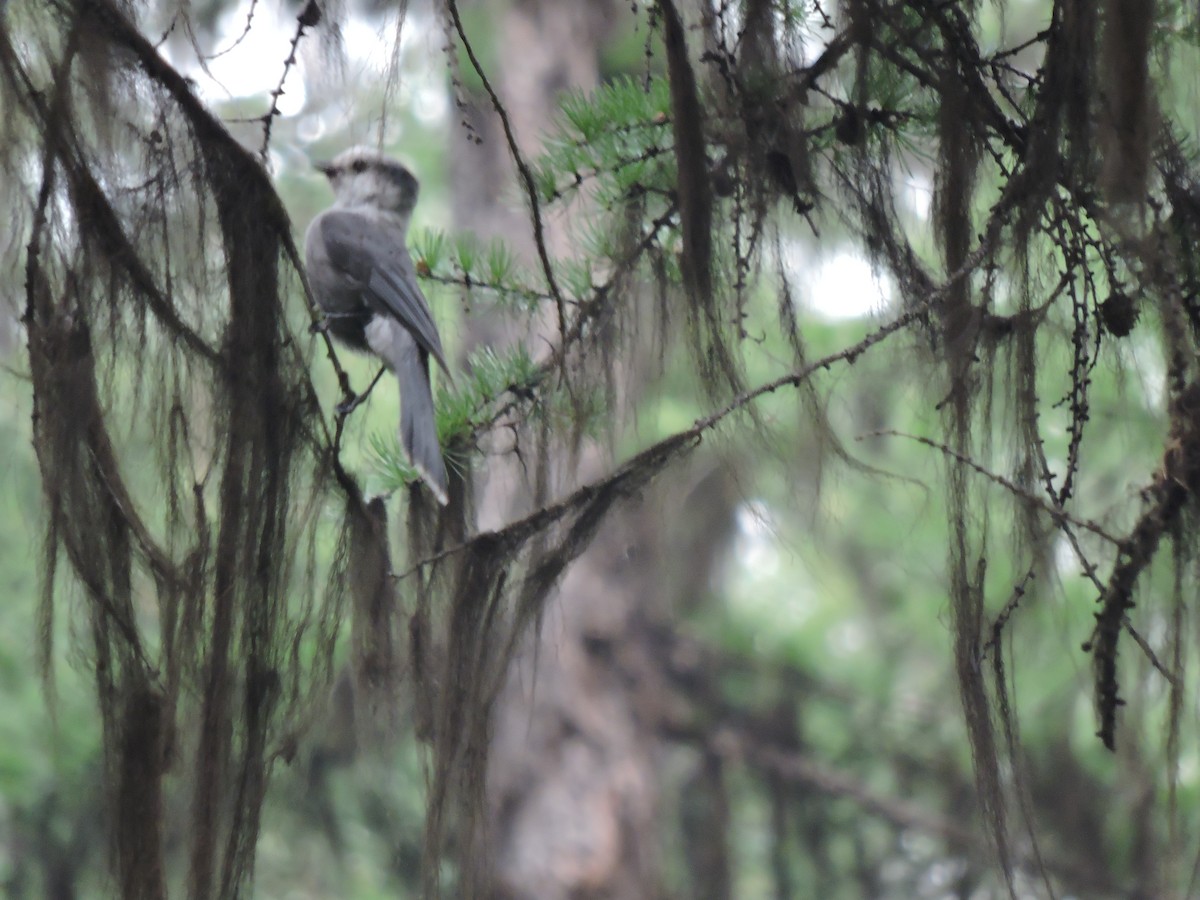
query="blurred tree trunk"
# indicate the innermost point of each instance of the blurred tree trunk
(573, 794)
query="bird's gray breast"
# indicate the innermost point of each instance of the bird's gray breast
(337, 251)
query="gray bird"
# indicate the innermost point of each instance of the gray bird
(363, 279)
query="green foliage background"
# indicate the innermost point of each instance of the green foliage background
(835, 582)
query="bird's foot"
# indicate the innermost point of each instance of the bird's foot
(346, 407)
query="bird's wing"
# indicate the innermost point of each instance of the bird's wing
(371, 253)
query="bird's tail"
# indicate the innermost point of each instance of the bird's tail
(418, 426)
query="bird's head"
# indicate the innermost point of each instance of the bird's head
(363, 177)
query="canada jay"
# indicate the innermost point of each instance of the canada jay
(363, 278)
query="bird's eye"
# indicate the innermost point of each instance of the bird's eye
(359, 165)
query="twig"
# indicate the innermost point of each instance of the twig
(309, 17)
(241, 37)
(1004, 615)
(1055, 512)
(1154, 660)
(346, 407)
(317, 316)
(676, 442)
(539, 234)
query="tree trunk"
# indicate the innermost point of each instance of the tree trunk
(572, 785)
